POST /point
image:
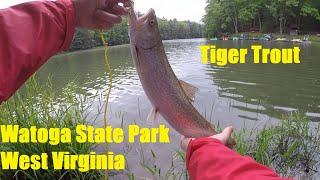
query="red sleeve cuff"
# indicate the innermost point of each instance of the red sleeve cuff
(71, 23)
(194, 144)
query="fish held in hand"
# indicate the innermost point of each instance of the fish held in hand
(169, 96)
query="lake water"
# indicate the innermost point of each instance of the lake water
(242, 95)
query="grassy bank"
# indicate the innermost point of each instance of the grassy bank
(38, 105)
(291, 148)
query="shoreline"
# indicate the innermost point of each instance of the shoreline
(114, 46)
(312, 38)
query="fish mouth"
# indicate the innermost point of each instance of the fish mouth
(150, 13)
(134, 19)
(138, 26)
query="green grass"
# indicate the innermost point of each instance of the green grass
(290, 147)
(40, 106)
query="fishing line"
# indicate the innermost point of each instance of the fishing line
(108, 71)
(108, 92)
(110, 85)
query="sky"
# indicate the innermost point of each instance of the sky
(192, 10)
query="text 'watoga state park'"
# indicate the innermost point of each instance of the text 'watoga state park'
(222, 56)
(83, 134)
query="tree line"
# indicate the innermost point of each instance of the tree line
(169, 29)
(233, 16)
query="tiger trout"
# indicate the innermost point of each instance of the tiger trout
(170, 97)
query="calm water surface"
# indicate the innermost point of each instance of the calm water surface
(243, 95)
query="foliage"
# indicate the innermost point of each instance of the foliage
(290, 148)
(40, 106)
(173, 29)
(169, 29)
(231, 16)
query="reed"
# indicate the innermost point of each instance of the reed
(291, 147)
(40, 106)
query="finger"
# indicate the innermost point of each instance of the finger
(224, 136)
(115, 8)
(226, 133)
(107, 17)
(128, 3)
(119, 10)
(101, 25)
(120, 1)
(184, 142)
(109, 4)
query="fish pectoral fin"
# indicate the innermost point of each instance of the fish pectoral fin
(189, 89)
(135, 53)
(153, 116)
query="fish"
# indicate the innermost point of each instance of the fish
(170, 97)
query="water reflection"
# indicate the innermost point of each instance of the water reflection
(241, 95)
(250, 91)
(278, 88)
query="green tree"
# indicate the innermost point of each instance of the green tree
(215, 21)
(282, 10)
(232, 16)
(307, 8)
(232, 11)
(169, 29)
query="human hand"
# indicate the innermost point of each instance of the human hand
(224, 137)
(98, 14)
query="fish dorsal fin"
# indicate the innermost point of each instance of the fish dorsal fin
(189, 89)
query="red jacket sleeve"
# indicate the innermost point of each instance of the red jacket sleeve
(30, 34)
(208, 158)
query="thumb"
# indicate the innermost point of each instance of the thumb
(225, 135)
(184, 142)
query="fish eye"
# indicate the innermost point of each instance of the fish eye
(152, 22)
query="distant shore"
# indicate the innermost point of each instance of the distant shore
(312, 38)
